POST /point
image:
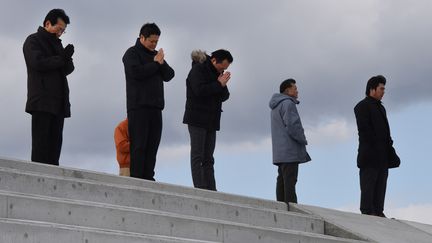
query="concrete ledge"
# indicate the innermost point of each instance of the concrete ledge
(371, 228)
(114, 179)
(129, 196)
(23, 231)
(144, 222)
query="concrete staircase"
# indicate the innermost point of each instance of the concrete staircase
(42, 203)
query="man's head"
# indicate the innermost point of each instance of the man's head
(375, 87)
(289, 88)
(56, 21)
(221, 59)
(149, 36)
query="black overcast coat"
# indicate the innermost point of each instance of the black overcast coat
(375, 142)
(144, 78)
(47, 85)
(204, 96)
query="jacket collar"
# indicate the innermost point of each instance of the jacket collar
(210, 65)
(296, 101)
(373, 100)
(143, 48)
(47, 35)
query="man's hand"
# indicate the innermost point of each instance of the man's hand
(159, 58)
(69, 51)
(224, 78)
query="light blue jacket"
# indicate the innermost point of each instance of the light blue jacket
(288, 138)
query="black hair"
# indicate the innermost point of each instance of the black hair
(54, 15)
(149, 29)
(374, 82)
(286, 84)
(221, 55)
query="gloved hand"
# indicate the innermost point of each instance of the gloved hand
(69, 51)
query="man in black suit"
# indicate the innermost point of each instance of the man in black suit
(375, 152)
(48, 64)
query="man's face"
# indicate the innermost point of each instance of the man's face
(149, 42)
(292, 91)
(58, 29)
(222, 66)
(377, 93)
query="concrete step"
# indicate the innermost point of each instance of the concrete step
(96, 215)
(27, 231)
(121, 180)
(138, 197)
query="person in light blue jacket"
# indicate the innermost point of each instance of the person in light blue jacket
(288, 140)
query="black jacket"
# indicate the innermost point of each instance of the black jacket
(47, 68)
(204, 96)
(375, 142)
(144, 78)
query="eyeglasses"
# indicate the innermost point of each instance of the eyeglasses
(61, 30)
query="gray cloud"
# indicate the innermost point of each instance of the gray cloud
(330, 47)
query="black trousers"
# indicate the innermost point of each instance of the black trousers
(47, 137)
(145, 130)
(373, 184)
(286, 182)
(203, 144)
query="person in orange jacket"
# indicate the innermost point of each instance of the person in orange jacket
(121, 139)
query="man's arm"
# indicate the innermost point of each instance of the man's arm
(121, 139)
(293, 123)
(38, 60)
(201, 85)
(167, 72)
(138, 70)
(225, 94)
(364, 126)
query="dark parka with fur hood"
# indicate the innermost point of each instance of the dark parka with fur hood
(47, 68)
(204, 94)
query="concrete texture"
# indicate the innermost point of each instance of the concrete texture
(372, 228)
(138, 197)
(424, 227)
(42, 203)
(120, 180)
(22, 231)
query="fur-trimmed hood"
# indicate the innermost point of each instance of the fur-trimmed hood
(199, 56)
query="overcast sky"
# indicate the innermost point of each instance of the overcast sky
(331, 47)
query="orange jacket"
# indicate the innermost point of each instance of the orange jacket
(121, 138)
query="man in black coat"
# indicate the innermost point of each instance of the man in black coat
(206, 89)
(48, 64)
(146, 70)
(375, 152)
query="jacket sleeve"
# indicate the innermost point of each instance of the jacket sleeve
(69, 67)
(201, 85)
(138, 70)
(364, 125)
(166, 71)
(36, 59)
(293, 124)
(225, 94)
(121, 139)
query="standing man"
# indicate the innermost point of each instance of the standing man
(375, 152)
(146, 70)
(288, 140)
(48, 64)
(206, 89)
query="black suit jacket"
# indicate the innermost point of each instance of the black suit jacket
(47, 68)
(375, 142)
(145, 78)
